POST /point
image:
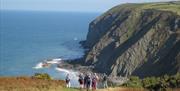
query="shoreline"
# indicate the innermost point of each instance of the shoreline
(78, 65)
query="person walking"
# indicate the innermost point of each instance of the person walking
(85, 81)
(105, 85)
(68, 84)
(94, 81)
(81, 81)
(88, 82)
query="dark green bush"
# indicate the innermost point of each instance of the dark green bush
(134, 81)
(155, 83)
(42, 76)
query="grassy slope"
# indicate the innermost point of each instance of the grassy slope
(30, 84)
(173, 7)
(163, 6)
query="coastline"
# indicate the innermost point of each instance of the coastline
(77, 66)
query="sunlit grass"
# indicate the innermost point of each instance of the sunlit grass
(33, 84)
(173, 7)
(163, 6)
(29, 84)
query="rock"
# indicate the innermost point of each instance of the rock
(132, 39)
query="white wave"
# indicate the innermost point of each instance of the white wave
(73, 74)
(39, 66)
(62, 70)
(54, 61)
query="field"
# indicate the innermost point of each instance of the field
(30, 84)
(34, 84)
(162, 6)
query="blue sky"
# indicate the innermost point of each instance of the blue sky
(66, 5)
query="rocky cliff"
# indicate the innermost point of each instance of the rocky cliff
(136, 39)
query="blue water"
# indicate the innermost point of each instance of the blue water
(28, 37)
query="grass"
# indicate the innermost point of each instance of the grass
(162, 6)
(173, 7)
(32, 84)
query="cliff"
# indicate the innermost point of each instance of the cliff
(136, 39)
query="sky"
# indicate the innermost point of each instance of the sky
(66, 5)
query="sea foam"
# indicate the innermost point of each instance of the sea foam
(39, 65)
(52, 61)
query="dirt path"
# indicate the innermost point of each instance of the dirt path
(122, 89)
(133, 89)
(119, 89)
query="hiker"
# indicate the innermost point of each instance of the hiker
(105, 85)
(85, 80)
(94, 81)
(68, 84)
(81, 81)
(88, 82)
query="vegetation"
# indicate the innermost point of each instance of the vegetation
(134, 82)
(42, 82)
(42, 76)
(155, 83)
(38, 82)
(163, 6)
(29, 84)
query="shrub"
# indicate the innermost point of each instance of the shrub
(42, 76)
(134, 81)
(155, 83)
(150, 82)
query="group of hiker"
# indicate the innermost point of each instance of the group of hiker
(88, 81)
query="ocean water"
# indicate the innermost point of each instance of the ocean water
(29, 37)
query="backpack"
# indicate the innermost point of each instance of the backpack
(88, 80)
(105, 78)
(67, 80)
(81, 80)
(94, 79)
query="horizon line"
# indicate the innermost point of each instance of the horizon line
(53, 11)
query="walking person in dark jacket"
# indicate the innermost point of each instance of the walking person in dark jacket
(85, 81)
(81, 81)
(88, 82)
(105, 85)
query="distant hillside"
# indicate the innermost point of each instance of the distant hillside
(136, 39)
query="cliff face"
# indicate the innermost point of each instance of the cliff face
(136, 39)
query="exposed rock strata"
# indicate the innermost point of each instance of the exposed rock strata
(128, 40)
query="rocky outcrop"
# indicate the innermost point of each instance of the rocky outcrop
(132, 39)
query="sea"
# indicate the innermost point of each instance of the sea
(27, 38)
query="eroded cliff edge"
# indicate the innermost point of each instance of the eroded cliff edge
(136, 39)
